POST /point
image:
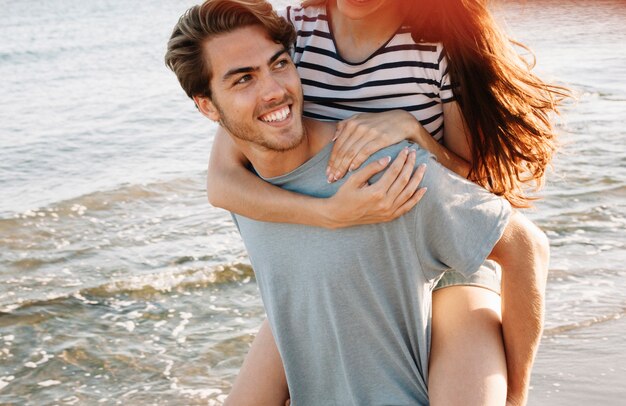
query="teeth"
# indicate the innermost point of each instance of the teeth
(279, 115)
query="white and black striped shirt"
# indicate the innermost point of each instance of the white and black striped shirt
(401, 74)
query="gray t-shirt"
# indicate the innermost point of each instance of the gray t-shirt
(350, 309)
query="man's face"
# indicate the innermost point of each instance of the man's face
(256, 91)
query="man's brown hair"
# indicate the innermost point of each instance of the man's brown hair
(185, 55)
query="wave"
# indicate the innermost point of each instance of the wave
(553, 331)
(584, 90)
(145, 285)
(148, 285)
(129, 192)
(168, 281)
(602, 187)
(105, 199)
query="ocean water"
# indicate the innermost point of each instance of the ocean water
(119, 284)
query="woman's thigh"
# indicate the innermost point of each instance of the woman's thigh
(261, 379)
(467, 359)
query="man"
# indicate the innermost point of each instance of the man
(350, 308)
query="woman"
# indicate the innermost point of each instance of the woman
(456, 88)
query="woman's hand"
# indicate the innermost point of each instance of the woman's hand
(361, 135)
(233, 187)
(395, 193)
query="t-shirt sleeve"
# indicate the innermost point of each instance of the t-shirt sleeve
(233, 216)
(457, 222)
(445, 85)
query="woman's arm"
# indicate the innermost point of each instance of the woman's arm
(231, 186)
(454, 153)
(456, 149)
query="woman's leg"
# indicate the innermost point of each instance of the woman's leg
(261, 380)
(467, 358)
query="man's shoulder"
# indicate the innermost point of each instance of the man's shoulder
(320, 132)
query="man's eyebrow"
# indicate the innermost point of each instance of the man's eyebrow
(237, 71)
(246, 69)
(277, 55)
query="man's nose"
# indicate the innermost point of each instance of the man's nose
(273, 89)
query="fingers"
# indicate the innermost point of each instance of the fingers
(366, 150)
(342, 134)
(364, 174)
(410, 193)
(358, 202)
(347, 140)
(390, 176)
(358, 137)
(409, 204)
(339, 128)
(396, 192)
(403, 178)
(346, 156)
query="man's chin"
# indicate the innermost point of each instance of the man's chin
(287, 141)
(284, 146)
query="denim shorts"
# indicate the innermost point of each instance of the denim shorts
(488, 276)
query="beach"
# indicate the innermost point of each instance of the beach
(120, 284)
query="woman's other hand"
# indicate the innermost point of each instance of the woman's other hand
(395, 193)
(361, 135)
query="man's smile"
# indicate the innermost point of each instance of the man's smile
(278, 115)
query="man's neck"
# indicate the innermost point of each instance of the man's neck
(269, 164)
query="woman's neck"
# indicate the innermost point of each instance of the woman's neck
(357, 39)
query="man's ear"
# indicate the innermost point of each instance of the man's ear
(207, 108)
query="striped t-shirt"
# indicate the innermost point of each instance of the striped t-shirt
(401, 74)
